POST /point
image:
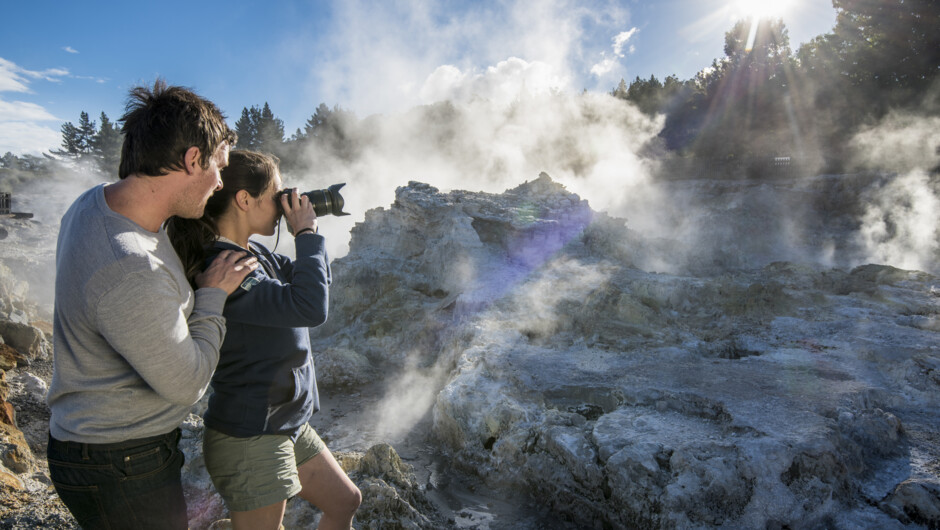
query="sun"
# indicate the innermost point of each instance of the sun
(761, 8)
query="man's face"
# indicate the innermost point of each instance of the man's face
(205, 181)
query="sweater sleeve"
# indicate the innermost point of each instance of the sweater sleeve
(144, 321)
(300, 300)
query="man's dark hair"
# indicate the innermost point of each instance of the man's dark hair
(162, 123)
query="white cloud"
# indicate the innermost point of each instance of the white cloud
(611, 61)
(23, 111)
(10, 78)
(21, 130)
(70, 49)
(52, 74)
(21, 137)
(13, 77)
(622, 39)
(99, 80)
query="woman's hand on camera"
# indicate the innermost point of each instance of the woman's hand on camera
(298, 211)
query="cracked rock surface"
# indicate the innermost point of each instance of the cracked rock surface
(785, 395)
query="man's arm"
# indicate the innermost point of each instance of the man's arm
(143, 320)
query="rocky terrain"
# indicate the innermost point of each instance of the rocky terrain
(393, 498)
(736, 391)
(518, 360)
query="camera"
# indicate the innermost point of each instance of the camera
(325, 202)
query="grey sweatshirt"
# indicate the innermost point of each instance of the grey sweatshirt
(134, 346)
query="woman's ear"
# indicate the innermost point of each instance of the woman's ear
(242, 199)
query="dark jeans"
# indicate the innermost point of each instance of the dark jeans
(133, 484)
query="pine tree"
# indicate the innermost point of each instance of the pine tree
(270, 131)
(621, 90)
(77, 139)
(332, 129)
(86, 133)
(106, 145)
(71, 141)
(247, 128)
(319, 119)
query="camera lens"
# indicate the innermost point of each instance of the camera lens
(325, 202)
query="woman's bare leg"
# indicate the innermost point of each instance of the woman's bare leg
(326, 486)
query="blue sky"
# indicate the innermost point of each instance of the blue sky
(60, 58)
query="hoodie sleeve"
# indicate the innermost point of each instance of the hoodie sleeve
(300, 298)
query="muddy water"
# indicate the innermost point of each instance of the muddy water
(464, 500)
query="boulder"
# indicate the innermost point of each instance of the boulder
(391, 497)
(915, 501)
(10, 483)
(10, 358)
(4, 386)
(31, 387)
(7, 413)
(27, 339)
(15, 454)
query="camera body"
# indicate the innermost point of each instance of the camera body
(325, 202)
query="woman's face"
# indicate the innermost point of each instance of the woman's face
(265, 215)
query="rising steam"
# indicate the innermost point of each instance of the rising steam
(899, 225)
(591, 143)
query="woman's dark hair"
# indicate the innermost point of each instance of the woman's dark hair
(162, 123)
(246, 170)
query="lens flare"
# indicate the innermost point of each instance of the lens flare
(762, 8)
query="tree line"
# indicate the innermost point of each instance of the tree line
(257, 127)
(89, 141)
(760, 100)
(260, 130)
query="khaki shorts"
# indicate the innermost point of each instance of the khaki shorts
(255, 472)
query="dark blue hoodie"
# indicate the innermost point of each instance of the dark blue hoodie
(265, 381)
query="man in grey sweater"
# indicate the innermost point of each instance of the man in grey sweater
(135, 346)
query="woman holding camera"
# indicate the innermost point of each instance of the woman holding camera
(258, 447)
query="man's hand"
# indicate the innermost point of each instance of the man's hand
(227, 270)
